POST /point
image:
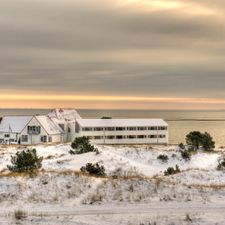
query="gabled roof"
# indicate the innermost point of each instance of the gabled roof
(14, 124)
(48, 124)
(64, 114)
(121, 122)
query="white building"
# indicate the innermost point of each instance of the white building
(65, 118)
(29, 130)
(64, 125)
(123, 131)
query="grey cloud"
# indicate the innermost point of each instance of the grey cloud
(91, 47)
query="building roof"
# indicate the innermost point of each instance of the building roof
(121, 122)
(48, 124)
(64, 114)
(14, 124)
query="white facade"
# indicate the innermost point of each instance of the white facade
(123, 131)
(64, 125)
(29, 130)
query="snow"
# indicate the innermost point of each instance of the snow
(14, 124)
(61, 189)
(121, 122)
(64, 114)
(49, 125)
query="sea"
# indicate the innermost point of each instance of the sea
(181, 122)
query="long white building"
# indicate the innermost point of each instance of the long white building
(64, 125)
(123, 131)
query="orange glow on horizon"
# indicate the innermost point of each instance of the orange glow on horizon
(81, 101)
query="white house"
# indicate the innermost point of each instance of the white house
(64, 125)
(29, 130)
(65, 118)
(123, 131)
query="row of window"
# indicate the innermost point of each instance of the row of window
(122, 128)
(128, 137)
(44, 138)
(34, 129)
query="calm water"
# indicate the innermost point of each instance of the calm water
(180, 122)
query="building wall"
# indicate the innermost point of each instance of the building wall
(36, 138)
(13, 137)
(151, 136)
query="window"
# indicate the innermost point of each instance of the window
(87, 129)
(24, 138)
(109, 128)
(152, 128)
(49, 139)
(98, 129)
(44, 138)
(141, 128)
(98, 137)
(131, 136)
(131, 128)
(33, 129)
(110, 137)
(162, 128)
(120, 128)
(119, 137)
(162, 136)
(7, 135)
(153, 136)
(69, 130)
(141, 136)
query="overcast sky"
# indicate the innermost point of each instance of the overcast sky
(112, 53)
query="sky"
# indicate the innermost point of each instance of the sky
(119, 54)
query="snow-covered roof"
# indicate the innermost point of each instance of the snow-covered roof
(64, 114)
(49, 125)
(121, 122)
(14, 124)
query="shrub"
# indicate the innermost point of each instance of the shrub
(20, 215)
(163, 158)
(93, 169)
(221, 165)
(186, 155)
(207, 142)
(197, 139)
(82, 145)
(25, 161)
(106, 118)
(181, 146)
(172, 171)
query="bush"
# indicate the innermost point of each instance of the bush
(93, 169)
(207, 142)
(163, 158)
(186, 155)
(197, 139)
(82, 145)
(221, 165)
(25, 161)
(172, 171)
(20, 215)
(181, 146)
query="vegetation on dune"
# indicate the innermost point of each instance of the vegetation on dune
(197, 139)
(25, 161)
(106, 117)
(163, 158)
(93, 169)
(82, 145)
(172, 171)
(221, 165)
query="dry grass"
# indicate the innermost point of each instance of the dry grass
(20, 215)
